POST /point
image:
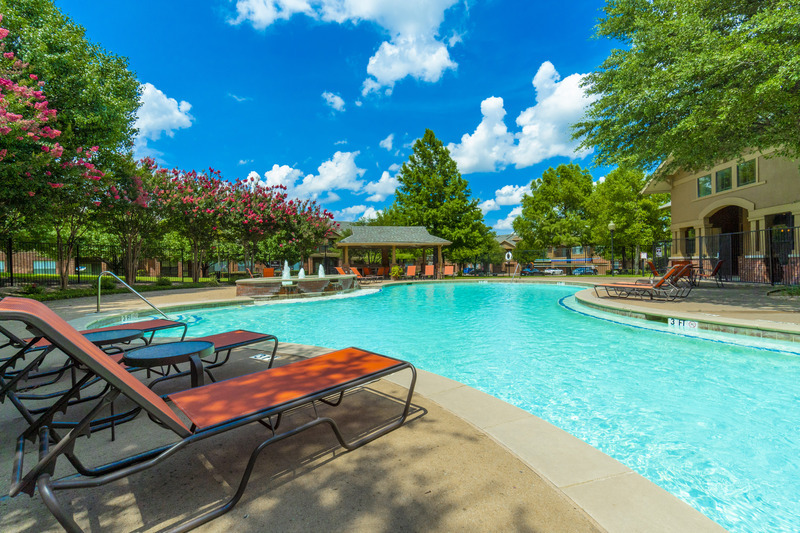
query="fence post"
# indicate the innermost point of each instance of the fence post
(77, 261)
(10, 257)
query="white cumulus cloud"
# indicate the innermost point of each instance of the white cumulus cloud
(356, 212)
(338, 173)
(387, 142)
(504, 196)
(280, 175)
(160, 114)
(262, 13)
(506, 224)
(414, 48)
(510, 194)
(488, 149)
(488, 205)
(382, 188)
(334, 101)
(544, 128)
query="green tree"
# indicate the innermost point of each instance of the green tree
(433, 194)
(555, 213)
(130, 211)
(96, 98)
(699, 81)
(639, 219)
(95, 93)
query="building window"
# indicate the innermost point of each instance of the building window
(724, 181)
(577, 250)
(746, 173)
(704, 186)
(44, 267)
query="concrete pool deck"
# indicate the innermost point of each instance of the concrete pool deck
(466, 461)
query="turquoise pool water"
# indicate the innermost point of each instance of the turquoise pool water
(712, 420)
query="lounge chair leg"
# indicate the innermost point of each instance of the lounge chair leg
(50, 500)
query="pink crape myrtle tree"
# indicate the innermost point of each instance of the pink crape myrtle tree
(71, 201)
(194, 204)
(41, 180)
(308, 225)
(131, 212)
(254, 213)
(28, 148)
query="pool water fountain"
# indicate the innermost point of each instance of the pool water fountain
(299, 286)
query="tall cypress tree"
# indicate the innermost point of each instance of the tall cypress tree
(433, 194)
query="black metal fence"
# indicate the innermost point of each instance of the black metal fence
(766, 256)
(24, 263)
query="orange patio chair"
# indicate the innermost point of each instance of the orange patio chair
(449, 271)
(208, 411)
(428, 273)
(269, 273)
(363, 279)
(411, 272)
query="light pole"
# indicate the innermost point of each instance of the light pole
(611, 228)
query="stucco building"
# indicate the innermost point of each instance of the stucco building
(742, 211)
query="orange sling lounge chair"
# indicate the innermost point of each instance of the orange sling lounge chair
(211, 410)
(428, 272)
(449, 271)
(411, 272)
(669, 287)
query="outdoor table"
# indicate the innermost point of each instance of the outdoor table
(171, 354)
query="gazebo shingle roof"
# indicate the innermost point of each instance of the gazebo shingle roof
(392, 235)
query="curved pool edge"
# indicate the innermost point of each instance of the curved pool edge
(764, 329)
(612, 494)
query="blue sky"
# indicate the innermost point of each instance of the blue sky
(327, 96)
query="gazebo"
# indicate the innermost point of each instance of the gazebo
(390, 238)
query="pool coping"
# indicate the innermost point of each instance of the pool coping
(612, 494)
(628, 308)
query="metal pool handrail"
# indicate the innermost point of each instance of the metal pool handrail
(134, 291)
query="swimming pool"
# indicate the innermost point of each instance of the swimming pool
(714, 421)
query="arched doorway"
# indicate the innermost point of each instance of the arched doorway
(726, 238)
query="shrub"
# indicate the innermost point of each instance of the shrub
(106, 283)
(32, 289)
(163, 281)
(396, 272)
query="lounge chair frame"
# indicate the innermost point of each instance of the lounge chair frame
(45, 324)
(715, 274)
(670, 287)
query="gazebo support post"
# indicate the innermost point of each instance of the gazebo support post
(440, 263)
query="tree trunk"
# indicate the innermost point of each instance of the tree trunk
(195, 261)
(64, 254)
